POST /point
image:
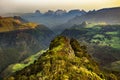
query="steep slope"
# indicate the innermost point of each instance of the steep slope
(65, 60)
(106, 15)
(104, 39)
(19, 39)
(12, 68)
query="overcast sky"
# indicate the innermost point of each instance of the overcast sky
(24, 6)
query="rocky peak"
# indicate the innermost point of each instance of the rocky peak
(60, 12)
(77, 11)
(60, 62)
(62, 46)
(49, 12)
(83, 11)
(37, 12)
(66, 46)
(19, 18)
(74, 11)
(84, 23)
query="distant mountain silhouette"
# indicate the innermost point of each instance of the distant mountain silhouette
(52, 18)
(106, 15)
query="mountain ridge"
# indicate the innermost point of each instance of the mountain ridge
(102, 40)
(52, 18)
(8, 24)
(110, 16)
(65, 59)
(103, 15)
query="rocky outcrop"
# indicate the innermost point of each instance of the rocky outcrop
(60, 62)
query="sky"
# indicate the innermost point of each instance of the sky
(25, 6)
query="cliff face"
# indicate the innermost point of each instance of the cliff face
(66, 59)
(19, 39)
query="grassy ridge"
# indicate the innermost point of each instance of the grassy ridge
(65, 60)
(11, 24)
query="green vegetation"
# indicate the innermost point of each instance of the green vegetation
(19, 66)
(114, 66)
(102, 40)
(103, 35)
(10, 24)
(69, 61)
(112, 33)
(26, 62)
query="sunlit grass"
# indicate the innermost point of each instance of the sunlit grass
(11, 24)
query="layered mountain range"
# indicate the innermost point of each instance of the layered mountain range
(104, 16)
(52, 18)
(61, 19)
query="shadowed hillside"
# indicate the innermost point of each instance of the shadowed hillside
(20, 39)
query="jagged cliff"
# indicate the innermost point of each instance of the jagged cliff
(66, 59)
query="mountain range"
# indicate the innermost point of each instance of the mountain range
(106, 15)
(102, 16)
(52, 18)
(60, 19)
